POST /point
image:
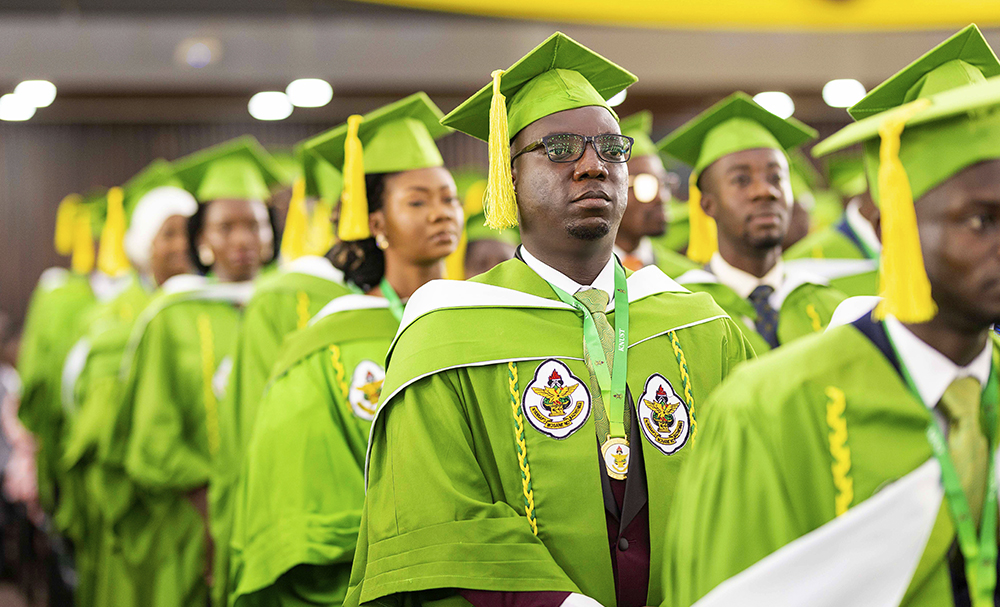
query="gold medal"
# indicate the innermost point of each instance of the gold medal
(615, 452)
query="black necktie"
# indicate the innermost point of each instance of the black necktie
(767, 316)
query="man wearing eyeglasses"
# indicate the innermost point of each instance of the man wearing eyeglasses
(645, 216)
(534, 419)
(740, 208)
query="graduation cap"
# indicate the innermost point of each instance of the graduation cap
(397, 137)
(149, 199)
(78, 220)
(559, 74)
(732, 125)
(846, 174)
(240, 168)
(639, 127)
(305, 234)
(925, 124)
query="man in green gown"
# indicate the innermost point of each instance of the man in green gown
(156, 245)
(847, 252)
(645, 218)
(854, 467)
(281, 303)
(507, 464)
(738, 151)
(176, 371)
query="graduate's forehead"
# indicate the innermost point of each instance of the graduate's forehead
(590, 120)
(977, 185)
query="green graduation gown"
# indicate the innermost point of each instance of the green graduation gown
(791, 443)
(90, 388)
(671, 262)
(838, 254)
(282, 302)
(178, 361)
(451, 505)
(302, 488)
(805, 305)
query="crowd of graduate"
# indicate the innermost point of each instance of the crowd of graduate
(537, 388)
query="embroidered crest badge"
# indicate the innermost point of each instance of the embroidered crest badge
(556, 402)
(366, 388)
(664, 417)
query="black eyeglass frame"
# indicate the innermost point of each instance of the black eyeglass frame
(543, 142)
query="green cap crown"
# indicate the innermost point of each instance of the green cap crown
(846, 174)
(240, 168)
(158, 173)
(323, 181)
(639, 126)
(559, 74)
(733, 125)
(397, 137)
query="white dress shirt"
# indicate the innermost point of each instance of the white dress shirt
(605, 280)
(743, 282)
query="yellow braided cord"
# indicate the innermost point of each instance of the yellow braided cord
(522, 448)
(339, 372)
(207, 371)
(841, 453)
(302, 308)
(817, 324)
(817, 252)
(685, 381)
(499, 201)
(905, 288)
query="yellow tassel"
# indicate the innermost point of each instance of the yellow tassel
(66, 223)
(905, 288)
(111, 258)
(704, 238)
(354, 201)
(293, 240)
(320, 238)
(82, 261)
(500, 202)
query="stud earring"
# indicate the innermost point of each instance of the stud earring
(381, 241)
(206, 256)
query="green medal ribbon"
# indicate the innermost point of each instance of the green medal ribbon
(980, 556)
(395, 304)
(612, 384)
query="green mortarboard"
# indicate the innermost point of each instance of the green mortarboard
(846, 174)
(559, 74)
(157, 174)
(959, 128)
(240, 168)
(639, 126)
(476, 229)
(322, 180)
(397, 137)
(734, 124)
(288, 162)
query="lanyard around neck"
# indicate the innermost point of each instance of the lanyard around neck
(612, 384)
(980, 556)
(395, 304)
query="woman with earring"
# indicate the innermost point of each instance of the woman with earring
(301, 490)
(177, 366)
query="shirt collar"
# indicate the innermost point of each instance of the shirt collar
(643, 252)
(931, 371)
(743, 282)
(605, 280)
(861, 226)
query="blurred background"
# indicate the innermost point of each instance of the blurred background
(136, 80)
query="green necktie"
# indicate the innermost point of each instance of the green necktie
(596, 301)
(966, 443)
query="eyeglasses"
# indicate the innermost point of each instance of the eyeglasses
(569, 147)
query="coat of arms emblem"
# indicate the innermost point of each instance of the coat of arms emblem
(556, 402)
(664, 417)
(366, 388)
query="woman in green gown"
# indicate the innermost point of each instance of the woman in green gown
(176, 368)
(302, 488)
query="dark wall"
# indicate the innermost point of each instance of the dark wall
(40, 164)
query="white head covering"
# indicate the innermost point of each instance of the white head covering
(151, 212)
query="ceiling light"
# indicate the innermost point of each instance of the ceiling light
(198, 52)
(617, 99)
(36, 93)
(843, 92)
(776, 102)
(309, 92)
(270, 105)
(15, 109)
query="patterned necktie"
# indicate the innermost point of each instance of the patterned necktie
(596, 301)
(767, 317)
(966, 443)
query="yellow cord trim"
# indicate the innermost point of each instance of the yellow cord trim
(817, 323)
(499, 202)
(207, 372)
(340, 373)
(703, 241)
(817, 252)
(841, 466)
(905, 288)
(522, 448)
(303, 309)
(685, 381)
